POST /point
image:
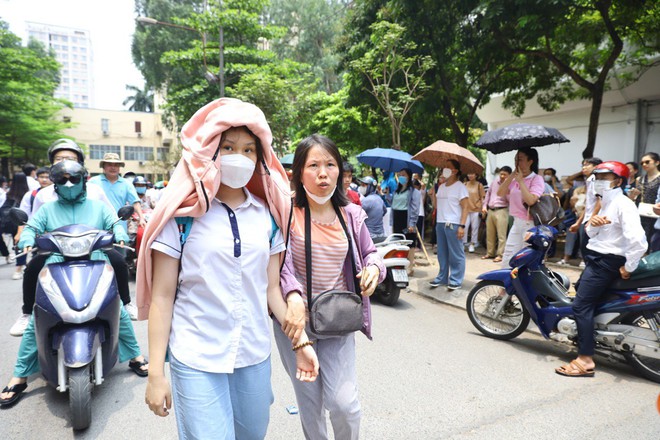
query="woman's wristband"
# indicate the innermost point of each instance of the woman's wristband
(302, 344)
(461, 226)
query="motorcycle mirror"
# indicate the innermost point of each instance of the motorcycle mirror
(18, 216)
(125, 212)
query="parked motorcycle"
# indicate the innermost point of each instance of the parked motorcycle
(627, 321)
(76, 313)
(394, 252)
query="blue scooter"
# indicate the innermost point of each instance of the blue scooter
(76, 312)
(627, 321)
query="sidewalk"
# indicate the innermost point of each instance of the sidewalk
(474, 266)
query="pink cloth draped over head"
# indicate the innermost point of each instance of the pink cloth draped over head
(196, 178)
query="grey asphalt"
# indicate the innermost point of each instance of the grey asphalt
(427, 374)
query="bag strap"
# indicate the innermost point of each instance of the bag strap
(308, 251)
(288, 234)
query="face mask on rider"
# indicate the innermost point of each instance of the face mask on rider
(362, 190)
(318, 199)
(236, 170)
(602, 186)
(141, 190)
(69, 191)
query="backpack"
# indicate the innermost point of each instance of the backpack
(6, 225)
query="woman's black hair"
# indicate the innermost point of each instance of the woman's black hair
(19, 187)
(506, 168)
(532, 155)
(595, 161)
(635, 166)
(653, 155)
(300, 157)
(552, 171)
(399, 187)
(457, 165)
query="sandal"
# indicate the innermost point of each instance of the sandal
(136, 366)
(18, 392)
(497, 260)
(486, 257)
(575, 369)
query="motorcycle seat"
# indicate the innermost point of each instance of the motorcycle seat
(621, 284)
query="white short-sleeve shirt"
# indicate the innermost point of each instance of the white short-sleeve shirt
(220, 319)
(48, 194)
(449, 202)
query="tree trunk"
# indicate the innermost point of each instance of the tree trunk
(594, 117)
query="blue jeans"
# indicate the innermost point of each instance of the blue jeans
(221, 406)
(451, 255)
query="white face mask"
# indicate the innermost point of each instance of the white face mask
(446, 173)
(362, 190)
(318, 199)
(236, 170)
(602, 186)
(547, 178)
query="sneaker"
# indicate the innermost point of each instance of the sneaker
(17, 275)
(19, 326)
(582, 265)
(131, 310)
(471, 248)
(454, 286)
(562, 262)
(435, 283)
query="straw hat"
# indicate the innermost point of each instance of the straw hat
(111, 158)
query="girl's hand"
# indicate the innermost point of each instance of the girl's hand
(460, 232)
(368, 277)
(158, 395)
(294, 321)
(598, 220)
(307, 364)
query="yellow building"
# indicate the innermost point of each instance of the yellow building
(141, 140)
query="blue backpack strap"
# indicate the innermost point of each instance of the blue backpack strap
(184, 224)
(274, 228)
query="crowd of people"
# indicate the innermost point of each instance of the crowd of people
(228, 248)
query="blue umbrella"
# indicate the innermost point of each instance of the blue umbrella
(287, 160)
(390, 160)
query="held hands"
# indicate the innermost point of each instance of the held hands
(158, 395)
(368, 277)
(307, 364)
(294, 321)
(624, 273)
(598, 220)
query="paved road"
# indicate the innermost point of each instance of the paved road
(428, 374)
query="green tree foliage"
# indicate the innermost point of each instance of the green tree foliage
(576, 47)
(312, 28)
(140, 100)
(28, 110)
(395, 77)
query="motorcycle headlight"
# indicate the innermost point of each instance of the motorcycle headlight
(75, 246)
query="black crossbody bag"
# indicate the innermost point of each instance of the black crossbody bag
(333, 312)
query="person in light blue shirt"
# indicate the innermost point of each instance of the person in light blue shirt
(118, 190)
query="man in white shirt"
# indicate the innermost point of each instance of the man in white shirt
(30, 172)
(617, 243)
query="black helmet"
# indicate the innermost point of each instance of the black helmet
(74, 169)
(65, 144)
(140, 180)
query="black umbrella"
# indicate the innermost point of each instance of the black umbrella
(518, 136)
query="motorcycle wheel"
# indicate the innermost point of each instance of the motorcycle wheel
(483, 300)
(390, 294)
(80, 397)
(645, 366)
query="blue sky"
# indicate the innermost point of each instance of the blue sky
(111, 25)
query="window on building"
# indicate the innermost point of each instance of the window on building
(96, 152)
(162, 153)
(138, 126)
(139, 153)
(105, 125)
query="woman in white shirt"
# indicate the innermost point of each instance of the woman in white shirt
(451, 202)
(225, 279)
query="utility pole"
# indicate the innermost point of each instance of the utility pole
(221, 72)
